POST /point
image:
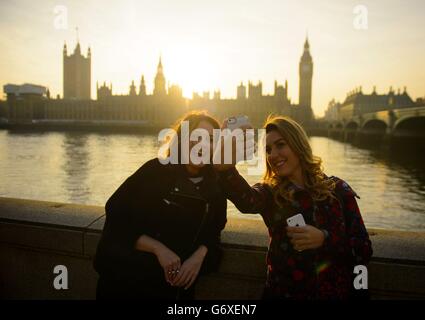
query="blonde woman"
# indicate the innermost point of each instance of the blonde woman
(311, 262)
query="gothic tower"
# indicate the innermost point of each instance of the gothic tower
(159, 89)
(132, 89)
(76, 74)
(306, 76)
(142, 87)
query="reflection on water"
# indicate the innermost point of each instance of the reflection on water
(392, 194)
(87, 168)
(76, 167)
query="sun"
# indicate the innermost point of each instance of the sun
(192, 68)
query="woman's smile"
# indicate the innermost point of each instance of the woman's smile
(279, 164)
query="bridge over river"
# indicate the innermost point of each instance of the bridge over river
(396, 125)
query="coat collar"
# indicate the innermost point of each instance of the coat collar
(180, 170)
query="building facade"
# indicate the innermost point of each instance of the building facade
(25, 102)
(166, 103)
(357, 103)
(76, 74)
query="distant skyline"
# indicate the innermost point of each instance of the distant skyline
(207, 46)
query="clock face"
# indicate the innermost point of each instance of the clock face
(306, 68)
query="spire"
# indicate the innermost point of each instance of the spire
(88, 53)
(142, 87)
(160, 83)
(77, 47)
(306, 44)
(160, 64)
(306, 57)
(132, 89)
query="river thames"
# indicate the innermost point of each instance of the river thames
(86, 168)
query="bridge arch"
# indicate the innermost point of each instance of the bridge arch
(339, 125)
(410, 126)
(352, 125)
(375, 125)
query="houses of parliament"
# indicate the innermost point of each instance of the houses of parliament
(163, 106)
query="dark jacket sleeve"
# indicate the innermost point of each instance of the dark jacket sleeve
(358, 237)
(123, 226)
(356, 245)
(211, 238)
(255, 199)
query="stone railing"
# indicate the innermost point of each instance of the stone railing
(36, 236)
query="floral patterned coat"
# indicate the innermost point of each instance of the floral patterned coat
(323, 273)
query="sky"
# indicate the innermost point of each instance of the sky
(210, 45)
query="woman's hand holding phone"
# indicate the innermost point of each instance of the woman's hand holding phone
(307, 237)
(221, 162)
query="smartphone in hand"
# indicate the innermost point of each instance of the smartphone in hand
(237, 122)
(296, 221)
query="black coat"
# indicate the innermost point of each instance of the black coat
(161, 202)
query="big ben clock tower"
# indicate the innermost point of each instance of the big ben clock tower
(306, 76)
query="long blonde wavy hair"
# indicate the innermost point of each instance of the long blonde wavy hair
(315, 181)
